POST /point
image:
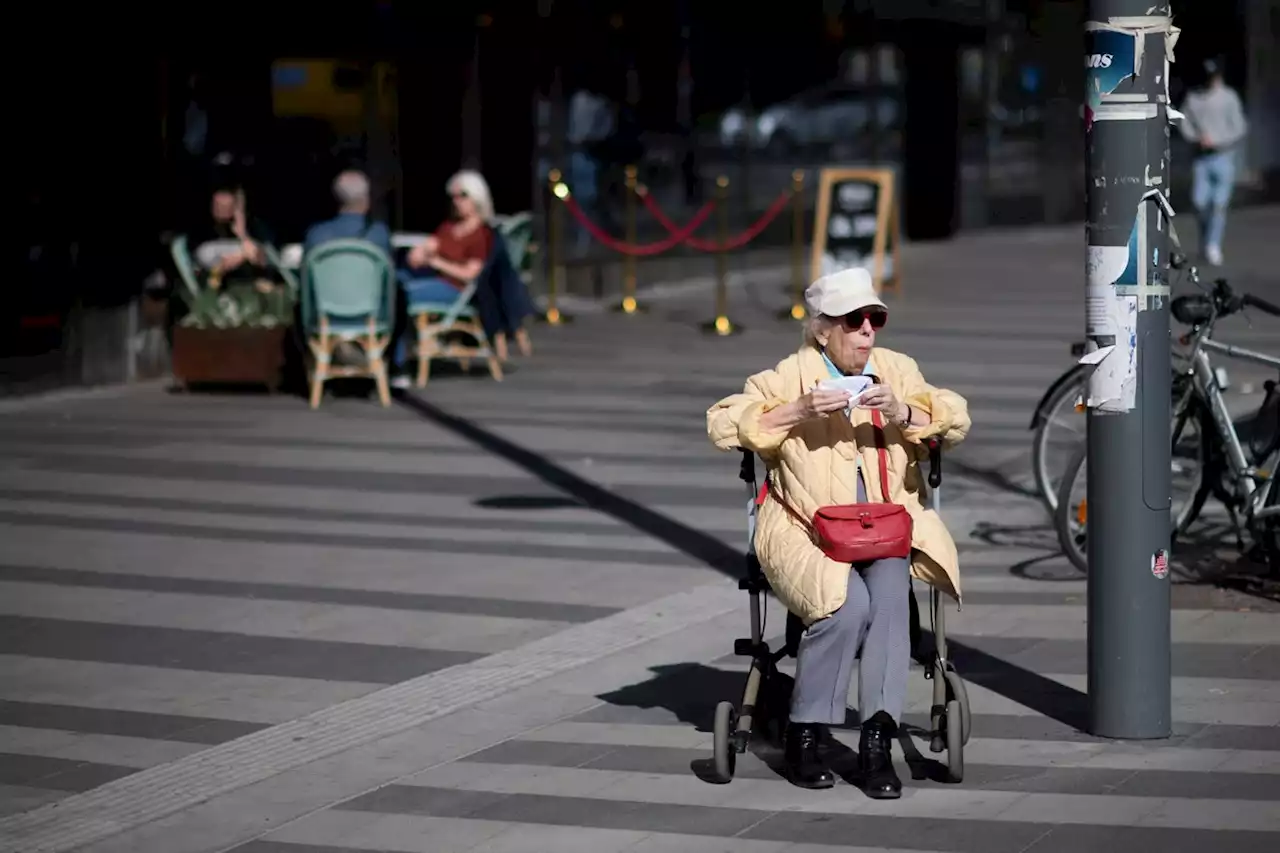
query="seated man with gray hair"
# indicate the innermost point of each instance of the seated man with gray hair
(353, 222)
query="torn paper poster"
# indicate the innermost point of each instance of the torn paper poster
(1112, 351)
(1122, 268)
(1111, 57)
(1126, 112)
(1115, 275)
(1100, 325)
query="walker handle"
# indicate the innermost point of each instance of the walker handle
(935, 462)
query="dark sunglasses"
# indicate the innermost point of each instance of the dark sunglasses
(854, 319)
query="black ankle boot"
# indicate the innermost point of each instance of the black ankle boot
(804, 765)
(875, 758)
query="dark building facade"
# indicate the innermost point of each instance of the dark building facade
(984, 98)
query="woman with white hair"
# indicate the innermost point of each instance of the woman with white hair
(841, 426)
(459, 251)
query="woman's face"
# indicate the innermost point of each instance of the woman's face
(849, 339)
(463, 206)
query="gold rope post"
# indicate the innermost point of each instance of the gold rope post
(796, 311)
(628, 305)
(559, 191)
(722, 325)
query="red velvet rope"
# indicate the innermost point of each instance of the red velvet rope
(677, 237)
(735, 242)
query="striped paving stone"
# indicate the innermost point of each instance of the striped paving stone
(188, 581)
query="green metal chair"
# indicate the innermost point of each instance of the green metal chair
(181, 254)
(277, 261)
(348, 296)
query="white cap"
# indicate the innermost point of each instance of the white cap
(842, 293)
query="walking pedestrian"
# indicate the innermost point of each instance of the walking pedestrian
(1216, 125)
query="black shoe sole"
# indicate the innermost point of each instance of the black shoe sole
(884, 795)
(812, 786)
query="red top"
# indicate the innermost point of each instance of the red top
(459, 249)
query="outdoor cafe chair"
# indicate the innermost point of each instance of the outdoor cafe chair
(348, 296)
(447, 330)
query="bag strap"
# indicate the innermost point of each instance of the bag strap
(878, 420)
(777, 496)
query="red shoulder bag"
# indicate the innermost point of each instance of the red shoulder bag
(862, 532)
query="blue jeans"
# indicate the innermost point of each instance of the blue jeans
(1213, 177)
(427, 288)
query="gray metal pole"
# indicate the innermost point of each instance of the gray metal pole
(1128, 47)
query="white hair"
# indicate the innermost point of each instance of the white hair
(815, 325)
(472, 184)
(351, 188)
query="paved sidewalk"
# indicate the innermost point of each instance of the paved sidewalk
(496, 617)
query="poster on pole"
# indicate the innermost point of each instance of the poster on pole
(856, 225)
(1119, 262)
(1110, 59)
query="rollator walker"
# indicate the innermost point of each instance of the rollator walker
(759, 712)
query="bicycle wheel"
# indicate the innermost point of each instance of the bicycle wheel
(1071, 516)
(1271, 534)
(1188, 462)
(1060, 429)
(1187, 466)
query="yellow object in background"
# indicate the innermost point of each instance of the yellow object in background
(329, 89)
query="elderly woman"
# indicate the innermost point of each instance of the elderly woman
(442, 265)
(822, 448)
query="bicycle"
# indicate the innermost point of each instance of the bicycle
(1063, 405)
(1207, 452)
(1060, 406)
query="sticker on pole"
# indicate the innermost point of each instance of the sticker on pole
(1160, 564)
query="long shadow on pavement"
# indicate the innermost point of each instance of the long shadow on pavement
(696, 544)
(1043, 695)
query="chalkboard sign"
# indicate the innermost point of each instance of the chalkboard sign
(856, 225)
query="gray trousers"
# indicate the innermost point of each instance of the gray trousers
(875, 618)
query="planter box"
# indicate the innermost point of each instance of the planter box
(245, 355)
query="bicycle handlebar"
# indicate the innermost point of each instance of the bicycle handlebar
(1197, 310)
(1261, 304)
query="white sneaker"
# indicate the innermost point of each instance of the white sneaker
(1213, 254)
(401, 382)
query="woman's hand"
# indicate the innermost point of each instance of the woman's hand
(421, 255)
(882, 397)
(230, 261)
(817, 403)
(821, 402)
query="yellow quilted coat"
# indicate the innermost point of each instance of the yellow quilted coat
(815, 465)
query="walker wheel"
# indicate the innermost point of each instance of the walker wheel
(726, 755)
(955, 741)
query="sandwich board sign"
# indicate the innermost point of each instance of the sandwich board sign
(856, 225)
